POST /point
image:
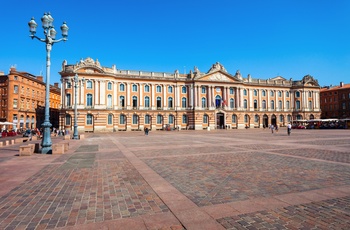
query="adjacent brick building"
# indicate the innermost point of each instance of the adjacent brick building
(23, 100)
(335, 101)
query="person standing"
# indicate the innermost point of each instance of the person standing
(289, 128)
(272, 128)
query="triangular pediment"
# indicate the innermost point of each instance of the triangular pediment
(219, 76)
(278, 78)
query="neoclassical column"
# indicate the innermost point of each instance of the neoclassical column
(164, 95)
(210, 96)
(96, 93)
(82, 94)
(195, 96)
(102, 92)
(142, 86)
(127, 98)
(153, 94)
(115, 93)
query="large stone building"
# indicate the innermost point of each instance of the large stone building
(23, 100)
(335, 101)
(110, 99)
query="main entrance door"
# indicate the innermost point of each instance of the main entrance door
(220, 121)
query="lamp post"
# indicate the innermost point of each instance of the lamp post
(76, 85)
(50, 39)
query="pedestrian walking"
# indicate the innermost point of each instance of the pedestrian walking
(272, 128)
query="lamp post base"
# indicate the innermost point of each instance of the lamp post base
(75, 133)
(46, 143)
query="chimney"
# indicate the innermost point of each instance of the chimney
(341, 84)
(40, 78)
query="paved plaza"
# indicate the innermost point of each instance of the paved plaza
(219, 179)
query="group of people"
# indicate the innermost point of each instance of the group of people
(275, 128)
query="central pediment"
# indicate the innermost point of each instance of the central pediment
(219, 76)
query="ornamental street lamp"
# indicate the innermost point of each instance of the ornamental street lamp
(76, 85)
(50, 39)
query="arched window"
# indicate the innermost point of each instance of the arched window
(170, 102)
(135, 119)
(134, 101)
(146, 88)
(281, 118)
(287, 105)
(147, 119)
(159, 119)
(297, 94)
(255, 92)
(245, 92)
(204, 102)
(184, 102)
(121, 87)
(245, 103)
(217, 101)
(171, 119)
(271, 93)
(263, 93)
(246, 118)
(310, 94)
(68, 119)
(287, 94)
(232, 91)
(255, 104)
(110, 119)
(256, 118)
(279, 94)
(289, 118)
(122, 101)
(159, 102)
(109, 101)
(232, 103)
(234, 118)
(109, 86)
(68, 99)
(205, 119)
(159, 89)
(134, 88)
(263, 104)
(89, 84)
(147, 102)
(184, 89)
(184, 119)
(203, 89)
(122, 119)
(279, 104)
(272, 104)
(89, 99)
(89, 119)
(170, 89)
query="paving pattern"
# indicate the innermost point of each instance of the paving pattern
(224, 179)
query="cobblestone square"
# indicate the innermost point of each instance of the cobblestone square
(219, 179)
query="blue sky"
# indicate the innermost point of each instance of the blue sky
(267, 38)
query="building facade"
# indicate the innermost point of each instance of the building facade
(23, 100)
(109, 99)
(335, 101)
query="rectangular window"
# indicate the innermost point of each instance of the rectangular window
(122, 120)
(203, 89)
(15, 103)
(89, 119)
(15, 89)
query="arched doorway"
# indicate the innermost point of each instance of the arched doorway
(273, 120)
(265, 121)
(220, 120)
(312, 117)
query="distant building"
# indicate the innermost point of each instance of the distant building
(116, 100)
(335, 101)
(23, 100)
